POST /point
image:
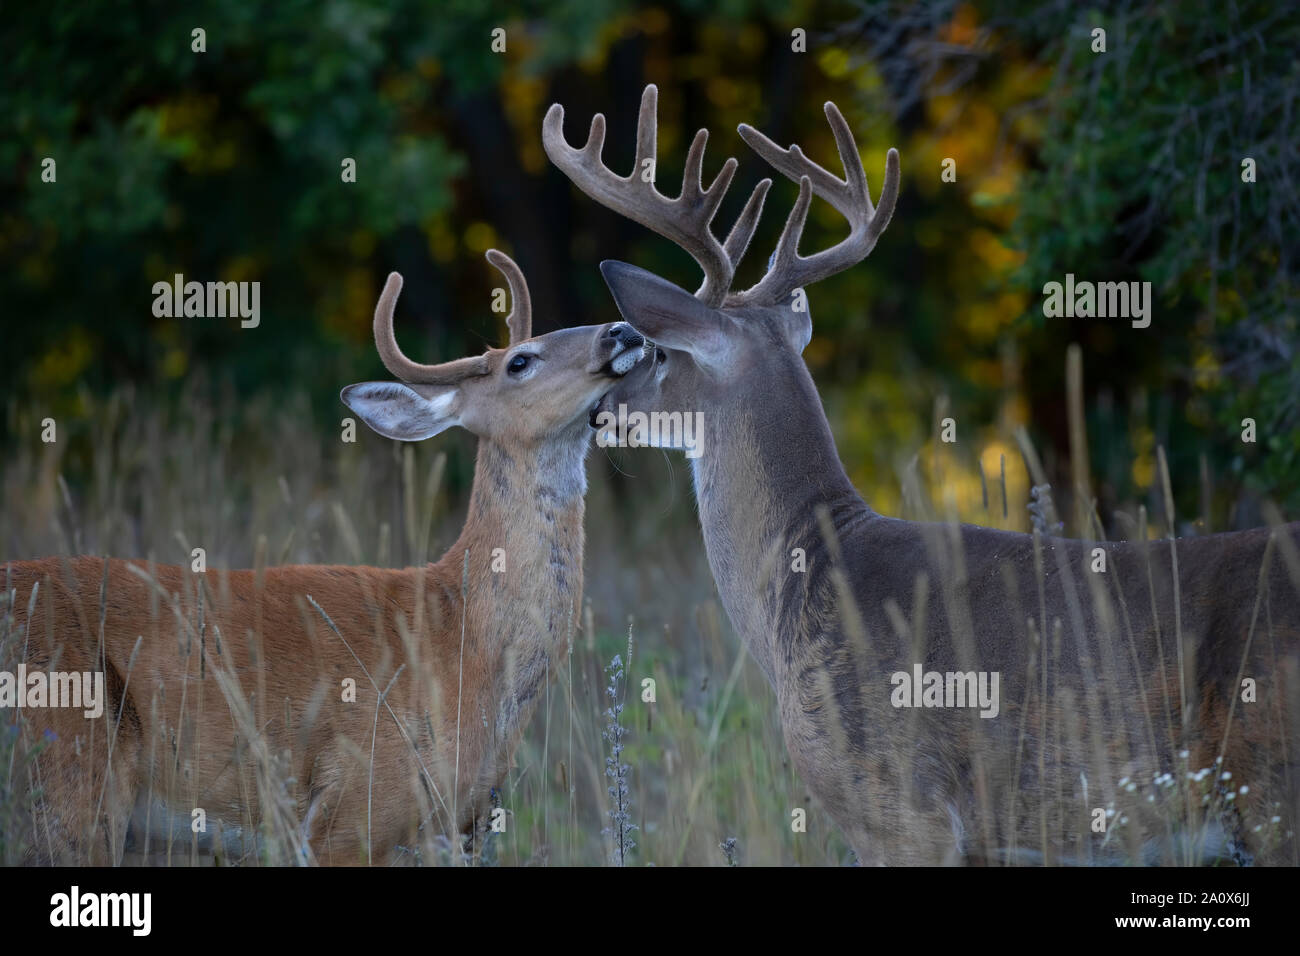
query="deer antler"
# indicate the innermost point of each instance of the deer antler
(447, 373)
(850, 197)
(520, 319)
(685, 220)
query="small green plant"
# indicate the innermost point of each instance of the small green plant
(615, 769)
(728, 848)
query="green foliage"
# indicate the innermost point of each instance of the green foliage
(221, 164)
(1126, 166)
(226, 165)
(1139, 176)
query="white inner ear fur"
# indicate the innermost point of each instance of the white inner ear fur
(440, 405)
(798, 322)
(803, 336)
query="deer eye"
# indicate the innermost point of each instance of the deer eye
(660, 356)
(518, 364)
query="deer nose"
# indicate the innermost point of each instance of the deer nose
(625, 335)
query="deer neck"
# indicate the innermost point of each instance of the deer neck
(506, 597)
(769, 466)
(524, 536)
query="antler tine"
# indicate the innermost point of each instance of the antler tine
(447, 373)
(520, 319)
(647, 129)
(786, 258)
(888, 197)
(686, 219)
(850, 197)
(742, 231)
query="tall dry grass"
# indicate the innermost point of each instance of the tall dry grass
(709, 782)
(255, 486)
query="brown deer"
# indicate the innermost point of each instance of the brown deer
(228, 692)
(1143, 701)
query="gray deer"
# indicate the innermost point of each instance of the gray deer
(949, 693)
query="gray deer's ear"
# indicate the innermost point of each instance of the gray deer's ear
(399, 411)
(797, 328)
(666, 314)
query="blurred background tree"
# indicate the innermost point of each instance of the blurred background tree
(225, 165)
(1118, 165)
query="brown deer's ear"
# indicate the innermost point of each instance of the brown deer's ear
(667, 314)
(400, 411)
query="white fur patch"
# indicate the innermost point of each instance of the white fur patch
(441, 405)
(623, 364)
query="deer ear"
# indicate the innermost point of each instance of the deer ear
(399, 411)
(666, 314)
(797, 326)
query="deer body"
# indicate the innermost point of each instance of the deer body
(1108, 679)
(235, 702)
(902, 783)
(515, 625)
